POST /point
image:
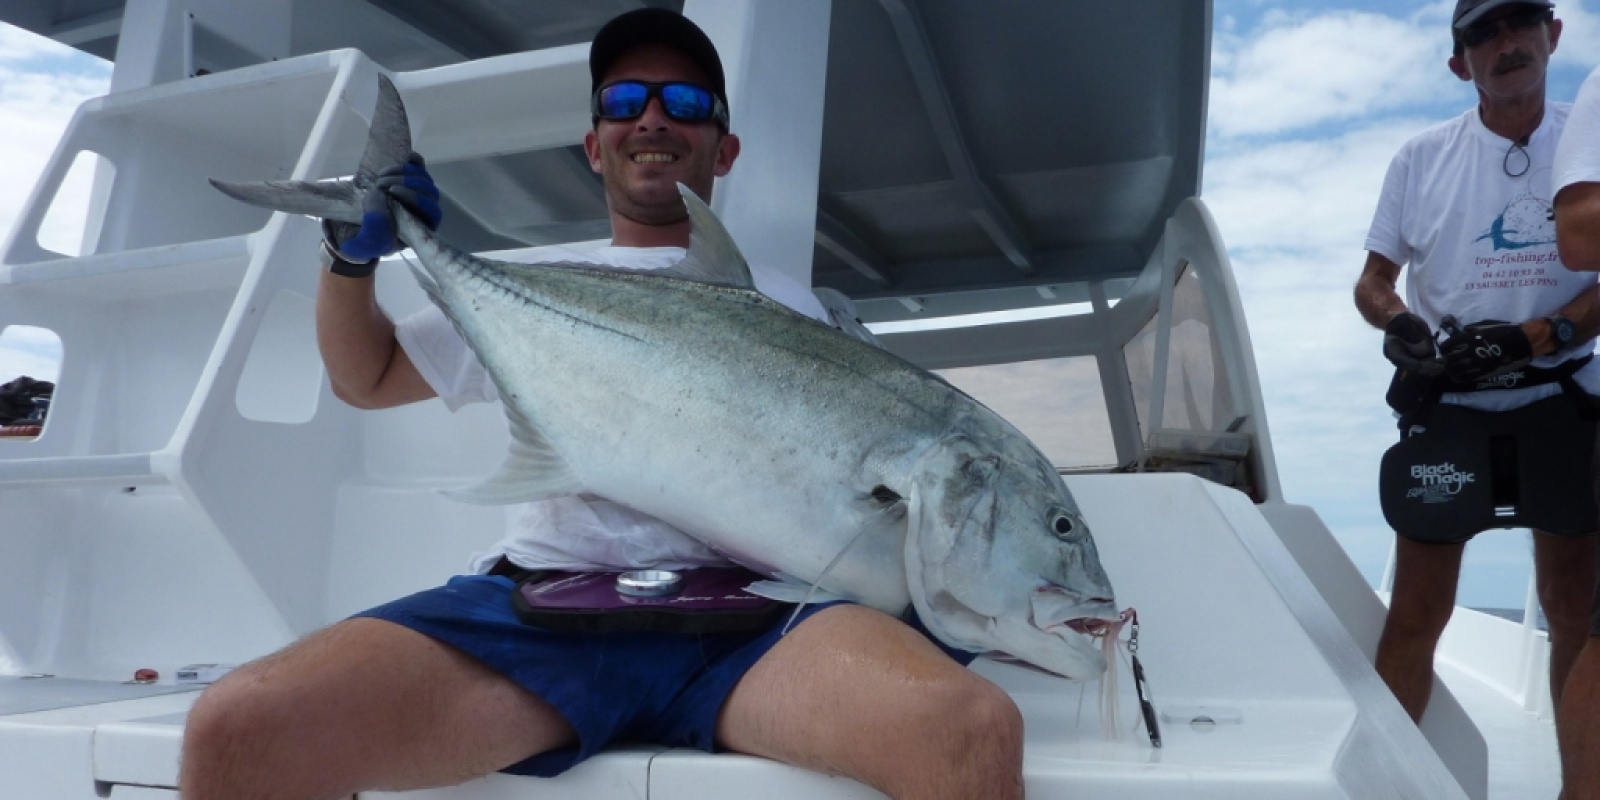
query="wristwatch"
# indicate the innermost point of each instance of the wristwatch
(335, 262)
(1562, 331)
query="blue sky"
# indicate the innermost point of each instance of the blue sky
(1309, 100)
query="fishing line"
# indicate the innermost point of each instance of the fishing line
(829, 568)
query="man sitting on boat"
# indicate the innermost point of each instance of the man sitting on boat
(1466, 205)
(448, 684)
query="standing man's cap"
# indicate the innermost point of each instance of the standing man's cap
(1469, 11)
(649, 26)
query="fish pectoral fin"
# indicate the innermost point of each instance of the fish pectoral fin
(533, 470)
(712, 256)
(791, 590)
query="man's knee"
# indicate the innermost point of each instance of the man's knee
(1566, 595)
(1415, 616)
(236, 714)
(1568, 613)
(974, 719)
(965, 740)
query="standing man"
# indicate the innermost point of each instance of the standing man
(1466, 205)
(1577, 212)
(448, 684)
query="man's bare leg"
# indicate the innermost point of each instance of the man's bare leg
(854, 692)
(1424, 594)
(1564, 569)
(1578, 727)
(364, 704)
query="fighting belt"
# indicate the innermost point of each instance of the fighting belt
(703, 600)
(1473, 470)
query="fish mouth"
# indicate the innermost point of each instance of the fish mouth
(1063, 612)
(1090, 626)
(1094, 627)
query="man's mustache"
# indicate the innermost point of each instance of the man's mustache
(1511, 61)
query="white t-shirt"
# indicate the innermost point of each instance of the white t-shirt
(573, 532)
(1479, 243)
(1578, 154)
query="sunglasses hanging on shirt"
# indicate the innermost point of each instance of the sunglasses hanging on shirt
(1517, 161)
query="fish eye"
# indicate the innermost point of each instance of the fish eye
(1061, 524)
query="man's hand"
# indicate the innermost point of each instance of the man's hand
(1408, 344)
(1485, 349)
(410, 185)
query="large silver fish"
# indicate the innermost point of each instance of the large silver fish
(773, 438)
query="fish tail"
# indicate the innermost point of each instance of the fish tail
(388, 136)
(335, 200)
(388, 144)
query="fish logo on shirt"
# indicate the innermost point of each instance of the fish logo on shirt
(1525, 222)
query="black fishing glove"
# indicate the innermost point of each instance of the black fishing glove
(1485, 349)
(355, 250)
(1408, 344)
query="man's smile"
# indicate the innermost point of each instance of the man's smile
(653, 158)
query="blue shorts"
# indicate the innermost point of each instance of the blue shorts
(659, 688)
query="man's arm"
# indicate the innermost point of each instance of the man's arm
(1578, 228)
(366, 365)
(1376, 297)
(1583, 311)
(1487, 349)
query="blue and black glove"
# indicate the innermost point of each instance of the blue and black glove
(1485, 349)
(1408, 344)
(355, 250)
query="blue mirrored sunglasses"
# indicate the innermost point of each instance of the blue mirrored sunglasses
(684, 102)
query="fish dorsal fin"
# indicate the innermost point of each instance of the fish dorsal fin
(533, 470)
(712, 257)
(388, 137)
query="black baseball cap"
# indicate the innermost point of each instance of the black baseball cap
(1470, 11)
(649, 26)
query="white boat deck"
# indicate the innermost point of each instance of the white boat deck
(1298, 711)
(133, 746)
(1523, 763)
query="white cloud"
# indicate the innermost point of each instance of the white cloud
(1580, 35)
(17, 44)
(26, 350)
(1298, 72)
(36, 103)
(41, 84)
(1302, 193)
